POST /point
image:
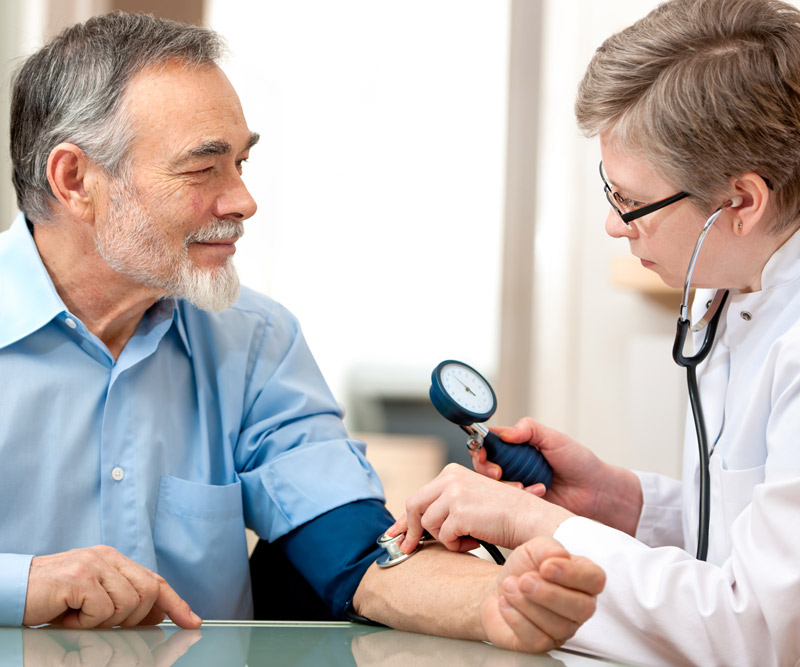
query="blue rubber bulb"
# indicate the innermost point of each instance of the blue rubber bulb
(520, 463)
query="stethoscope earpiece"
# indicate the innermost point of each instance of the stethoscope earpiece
(736, 202)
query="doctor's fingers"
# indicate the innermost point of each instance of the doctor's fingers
(454, 489)
(484, 467)
(416, 506)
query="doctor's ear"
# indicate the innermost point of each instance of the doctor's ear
(73, 180)
(748, 206)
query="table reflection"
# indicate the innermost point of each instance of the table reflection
(253, 645)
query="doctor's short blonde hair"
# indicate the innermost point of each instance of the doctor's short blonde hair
(705, 90)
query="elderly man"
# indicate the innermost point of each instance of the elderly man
(151, 411)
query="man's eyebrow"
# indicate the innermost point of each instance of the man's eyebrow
(214, 148)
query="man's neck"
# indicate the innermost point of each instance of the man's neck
(111, 305)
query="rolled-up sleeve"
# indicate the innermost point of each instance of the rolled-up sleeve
(294, 457)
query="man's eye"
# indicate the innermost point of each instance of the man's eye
(240, 164)
(202, 171)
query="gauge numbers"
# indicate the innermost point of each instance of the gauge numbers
(467, 388)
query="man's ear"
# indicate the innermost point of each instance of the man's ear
(752, 211)
(72, 178)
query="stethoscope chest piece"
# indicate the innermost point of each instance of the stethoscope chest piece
(393, 555)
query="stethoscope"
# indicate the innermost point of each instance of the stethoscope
(464, 397)
(709, 322)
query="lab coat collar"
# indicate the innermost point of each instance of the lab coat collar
(784, 265)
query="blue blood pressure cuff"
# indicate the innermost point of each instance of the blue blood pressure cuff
(334, 550)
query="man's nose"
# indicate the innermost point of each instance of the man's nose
(236, 202)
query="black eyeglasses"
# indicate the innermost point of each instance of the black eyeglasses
(630, 210)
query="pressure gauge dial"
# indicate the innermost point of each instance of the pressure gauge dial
(461, 394)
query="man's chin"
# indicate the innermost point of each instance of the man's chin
(212, 291)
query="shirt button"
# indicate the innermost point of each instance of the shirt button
(746, 316)
(117, 474)
(70, 323)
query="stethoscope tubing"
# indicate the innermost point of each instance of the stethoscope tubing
(690, 362)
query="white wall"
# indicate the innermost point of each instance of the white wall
(603, 370)
(379, 176)
(380, 184)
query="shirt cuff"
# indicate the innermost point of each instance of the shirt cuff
(661, 521)
(14, 569)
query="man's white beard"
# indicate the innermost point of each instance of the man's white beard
(130, 243)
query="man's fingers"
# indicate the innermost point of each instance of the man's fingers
(154, 596)
(555, 611)
(176, 608)
(90, 610)
(576, 572)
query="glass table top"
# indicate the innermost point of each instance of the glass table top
(254, 644)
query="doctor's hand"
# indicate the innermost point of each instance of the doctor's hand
(582, 483)
(459, 507)
(541, 597)
(99, 587)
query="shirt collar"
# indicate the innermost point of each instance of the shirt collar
(28, 295)
(30, 299)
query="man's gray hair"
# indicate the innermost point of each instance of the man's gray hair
(72, 90)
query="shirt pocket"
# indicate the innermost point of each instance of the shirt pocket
(201, 548)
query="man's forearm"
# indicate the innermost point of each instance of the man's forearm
(534, 603)
(434, 592)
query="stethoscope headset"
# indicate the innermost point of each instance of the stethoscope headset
(709, 322)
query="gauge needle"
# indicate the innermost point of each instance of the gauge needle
(467, 388)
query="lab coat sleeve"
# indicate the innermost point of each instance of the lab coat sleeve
(660, 524)
(662, 606)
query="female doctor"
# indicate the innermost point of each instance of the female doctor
(697, 107)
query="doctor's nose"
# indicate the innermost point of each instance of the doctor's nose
(617, 229)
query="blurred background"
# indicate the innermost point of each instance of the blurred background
(424, 194)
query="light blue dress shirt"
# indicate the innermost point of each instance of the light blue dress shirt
(206, 423)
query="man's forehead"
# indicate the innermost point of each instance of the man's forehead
(187, 111)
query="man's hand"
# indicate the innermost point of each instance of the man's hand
(99, 587)
(541, 597)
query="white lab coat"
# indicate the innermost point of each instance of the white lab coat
(742, 607)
